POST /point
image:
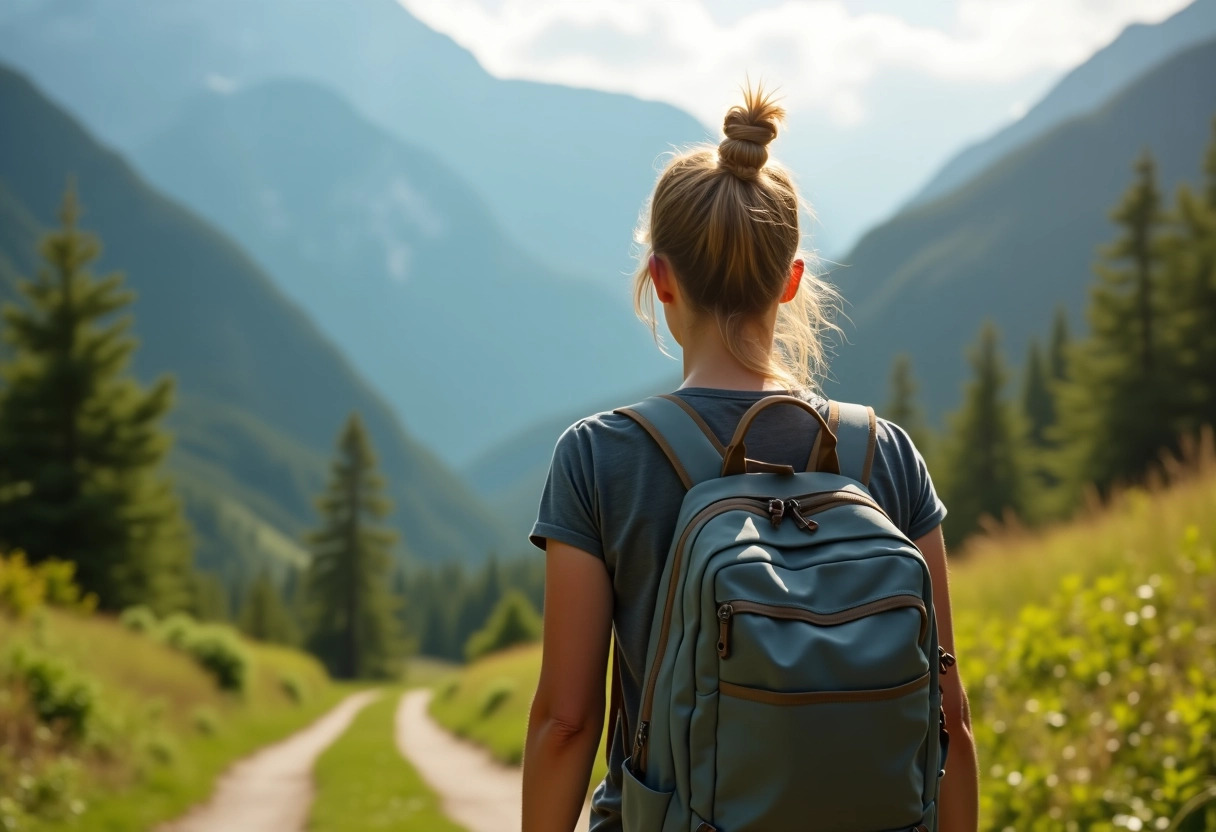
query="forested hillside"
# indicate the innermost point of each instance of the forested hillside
(1017, 240)
(260, 392)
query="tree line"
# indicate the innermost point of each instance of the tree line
(1098, 411)
(82, 448)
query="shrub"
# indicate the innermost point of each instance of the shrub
(292, 687)
(218, 649)
(514, 621)
(25, 587)
(206, 722)
(496, 694)
(176, 630)
(139, 620)
(61, 696)
(1097, 709)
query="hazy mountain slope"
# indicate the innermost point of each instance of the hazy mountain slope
(1138, 48)
(400, 263)
(262, 394)
(565, 169)
(511, 474)
(1016, 240)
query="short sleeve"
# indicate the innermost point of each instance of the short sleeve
(901, 483)
(568, 510)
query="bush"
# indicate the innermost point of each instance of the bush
(206, 722)
(139, 620)
(25, 587)
(496, 694)
(514, 621)
(218, 649)
(292, 687)
(61, 696)
(176, 630)
(1097, 710)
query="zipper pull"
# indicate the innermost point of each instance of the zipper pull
(946, 660)
(724, 614)
(802, 522)
(776, 511)
(639, 742)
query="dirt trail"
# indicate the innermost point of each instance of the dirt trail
(476, 792)
(272, 789)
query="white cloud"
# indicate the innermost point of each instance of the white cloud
(824, 53)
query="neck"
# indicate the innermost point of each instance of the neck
(708, 363)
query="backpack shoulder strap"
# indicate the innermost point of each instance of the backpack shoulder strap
(693, 449)
(856, 429)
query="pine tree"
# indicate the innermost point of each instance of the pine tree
(984, 468)
(1191, 268)
(1057, 353)
(80, 440)
(1117, 413)
(1037, 402)
(354, 628)
(264, 616)
(902, 408)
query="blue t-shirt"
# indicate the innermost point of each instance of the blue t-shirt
(613, 493)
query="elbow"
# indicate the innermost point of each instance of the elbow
(566, 728)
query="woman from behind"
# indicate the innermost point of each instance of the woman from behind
(721, 253)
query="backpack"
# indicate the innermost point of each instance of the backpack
(792, 670)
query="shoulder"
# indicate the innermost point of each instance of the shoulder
(595, 434)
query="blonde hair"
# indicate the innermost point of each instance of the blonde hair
(726, 220)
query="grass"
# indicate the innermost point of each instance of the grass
(1089, 649)
(363, 782)
(168, 730)
(488, 701)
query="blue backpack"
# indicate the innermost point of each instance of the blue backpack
(792, 671)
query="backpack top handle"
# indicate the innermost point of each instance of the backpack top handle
(735, 456)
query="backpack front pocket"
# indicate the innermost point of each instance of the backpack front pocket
(822, 715)
(832, 761)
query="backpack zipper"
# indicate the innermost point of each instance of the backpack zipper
(816, 502)
(728, 609)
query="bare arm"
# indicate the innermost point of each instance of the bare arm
(960, 793)
(567, 714)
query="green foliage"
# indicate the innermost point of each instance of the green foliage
(80, 442)
(496, 694)
(353, 625)
(985, 473)
(1038, 405)
(1100, 702)
(902, 408)
(1191, 292)
(62, 698)
(214, 647)
(24, 588)
(1119, 411)
(264, 616)
(219, 651)
(514, 621)
(293, 687)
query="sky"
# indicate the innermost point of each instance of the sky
(880, 92)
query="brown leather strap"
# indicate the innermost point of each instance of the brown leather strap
(662, 442)
(873, 442)
(735, 456)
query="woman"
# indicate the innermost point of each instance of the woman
(721, 255)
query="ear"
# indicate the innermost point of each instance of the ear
(660, 276)
(791, 288)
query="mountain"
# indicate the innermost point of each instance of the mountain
(1016, 240)
(1137, 49)
(511, 475)
(261, 393)
(566, 170)
(400, 262)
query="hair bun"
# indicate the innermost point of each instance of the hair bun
(749, 128)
